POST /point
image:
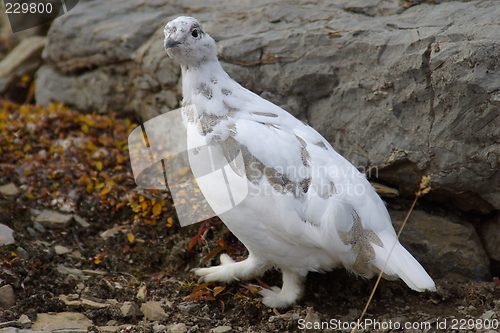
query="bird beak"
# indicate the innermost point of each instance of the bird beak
(169, 42)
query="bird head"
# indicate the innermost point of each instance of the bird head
(187, 42)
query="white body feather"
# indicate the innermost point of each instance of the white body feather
(329, 216)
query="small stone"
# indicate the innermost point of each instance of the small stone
(72, 272)
(94, 272)
(21, 56)
(9, 329)
(53, 219)
(24, 321)
(75, 254)
(188, 308)
(59, 249)
(7, 297)
(67, 321)
(88, 304)
(222, 329)
(153, 311)
(22, 253)
(113, 231)
(488, 315)
(71, 301)
(159, 328)
(39, 227)
(34, 211)
(311, 319)
(9, 189)
(142, 293)
(400, 319)
(7, 324)
(285, 316)
(31, 231)
(113, 329)
(130, 309)
(177, 328)
(81, 221)
(117, 285)
(6, 235)
(167, 304)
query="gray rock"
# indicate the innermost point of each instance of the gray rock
(39, 227)
(11, 188)
(24, 321)
(142, 293)
(490, 232)
(488, 315)
(157, 327)
(106, 35)
(312, 321)
(285, 316)
(24, 59)
(404, 92)
(59, 249)
(71, 272)
(417, 95)
(61, 321)
(445, 249)
(89, 304)
(6, 235)
(187, 308)
(92, 49)
(72, 300)
(130, 309)
(114, 329)
(7, 297)
(113, 231)
(177, 328)
(11, 323)
(81, 221)
(95, 272)
(22, 253)
(52, 219)
(9, 330)
(222, 329)
(153, 311)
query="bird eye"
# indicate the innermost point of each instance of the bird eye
(194, 33)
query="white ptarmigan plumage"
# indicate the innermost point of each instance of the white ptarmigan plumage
(308, 208)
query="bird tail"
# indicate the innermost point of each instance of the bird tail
(402, 264)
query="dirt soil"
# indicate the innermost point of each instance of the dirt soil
(72, 163)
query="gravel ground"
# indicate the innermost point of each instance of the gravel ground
(118, 257)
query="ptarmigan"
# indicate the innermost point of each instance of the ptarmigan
(308, 208)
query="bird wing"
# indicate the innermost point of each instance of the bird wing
(332, 203)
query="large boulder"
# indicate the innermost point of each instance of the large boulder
(418, 95)
(401, 92)
(447, 249)
(90, 56)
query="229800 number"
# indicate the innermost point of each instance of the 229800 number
(33, 8)
(474, 324)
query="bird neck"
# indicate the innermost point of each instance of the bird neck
(202, 84)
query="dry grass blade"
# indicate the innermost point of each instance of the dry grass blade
(424, 188)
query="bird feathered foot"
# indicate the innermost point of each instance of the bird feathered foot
(229, 270)
(286, 295)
